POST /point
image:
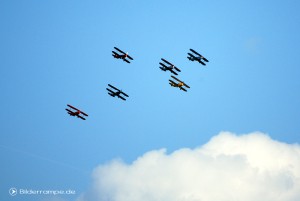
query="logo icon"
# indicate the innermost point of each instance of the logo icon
(13, 191)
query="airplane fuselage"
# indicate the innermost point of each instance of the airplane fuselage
(191, 58)
(195, 58)
(180, 84)
(120, 56)
(199, 59)
(117, 93)
(74, 113)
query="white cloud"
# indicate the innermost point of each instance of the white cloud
(250, 167)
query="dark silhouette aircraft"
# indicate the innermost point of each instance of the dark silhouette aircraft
(197, 57)
(117, 92)
(172, 68)
(121, 55)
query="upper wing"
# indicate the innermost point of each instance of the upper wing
(72, 107)
(124, 94)
(195, 52)
(176, 78)
(177, 69)
(119, 50)
(83, 113)
(204, 59)
(113, 87)
(167, 62)
(129, 57)
(186, 85)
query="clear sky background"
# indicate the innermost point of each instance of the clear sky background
(55, 53)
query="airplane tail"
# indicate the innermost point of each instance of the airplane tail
(190, 58)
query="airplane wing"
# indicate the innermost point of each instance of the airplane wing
(129, 57)
(124, 94)
(186, 85)
(126, 60)
(167, 62)
(119, 50)
(176, 78)
(163, 64)
(204, 59)
(173, 72)
(112, 95)
(191, 55)
(113, 87)
(69, 111)
(122, 98)
(162, 68)
(173, 82)
(177, 69)
(72, 107)
(83, 113)
(114, 52)
(201, 62)
(195, 52)
(183, 89)
(80, 117)
(110, 90)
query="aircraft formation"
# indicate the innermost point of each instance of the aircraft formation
(164, 66)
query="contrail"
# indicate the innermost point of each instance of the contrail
(45, 159)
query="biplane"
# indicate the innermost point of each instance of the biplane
(76, 113)
(121, 55)
(117, 92)
(197, 57)
(178, 84)
(172, 68)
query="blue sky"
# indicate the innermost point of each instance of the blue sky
(59, 52)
